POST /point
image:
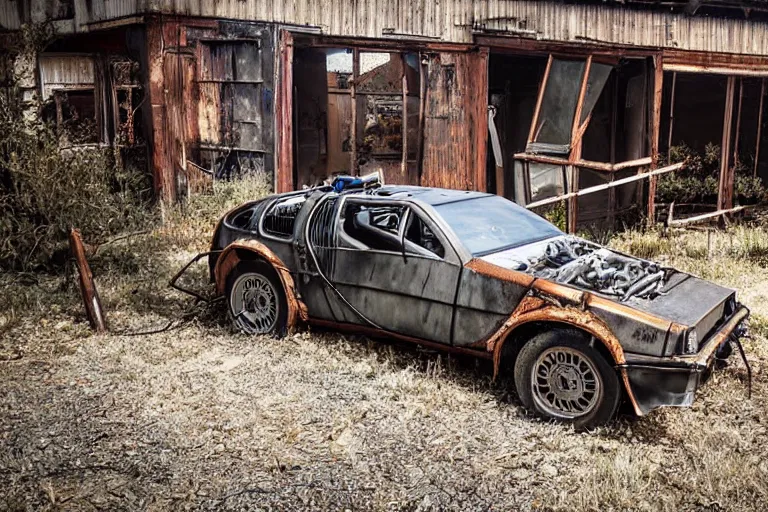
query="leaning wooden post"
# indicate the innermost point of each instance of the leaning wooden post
(88, 291)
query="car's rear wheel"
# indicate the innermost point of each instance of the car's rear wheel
(561, 376)
(256, 299)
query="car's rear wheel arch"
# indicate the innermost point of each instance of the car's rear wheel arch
(253, 251)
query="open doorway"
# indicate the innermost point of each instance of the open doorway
(513, 85)
(356, 111)
(715, 124)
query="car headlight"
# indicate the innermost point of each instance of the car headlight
(691, 345)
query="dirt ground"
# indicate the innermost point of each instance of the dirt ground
(200, 417)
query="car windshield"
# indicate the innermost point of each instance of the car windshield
(491, 223)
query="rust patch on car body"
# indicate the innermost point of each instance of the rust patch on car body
(536, 309)
(230, 257)
(553, 302)
(620, 309)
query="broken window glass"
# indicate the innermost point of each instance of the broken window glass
(420, 234)
(75, 112)
(546, 180)
(412, 71)
(598, 76)
(376, 227)
(280, 219)
(558, 105)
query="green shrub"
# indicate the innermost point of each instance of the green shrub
(44, 191)
(698, 182)
(557, 214)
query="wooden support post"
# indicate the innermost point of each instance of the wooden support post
(759, 127)
(353, 96)
(738, 123)
(93, 309)
(284, 123)
(404, 126)
(573, 202)
(725, 186)
(671, 116)
(658, 78)
(423, 63)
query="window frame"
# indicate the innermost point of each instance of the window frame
(411, 208)
(263, 233)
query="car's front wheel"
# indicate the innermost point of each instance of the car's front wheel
(255, 298)
(561, 376)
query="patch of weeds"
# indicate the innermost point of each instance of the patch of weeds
(748, 242)
(557, 214)
(45, 190)
(758, 324)
(643, 244)
(696, 252)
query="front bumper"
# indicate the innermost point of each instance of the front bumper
(672, 381)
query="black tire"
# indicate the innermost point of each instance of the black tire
(545, 349)
(261, 273)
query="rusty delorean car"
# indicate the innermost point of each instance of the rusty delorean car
(577, 326)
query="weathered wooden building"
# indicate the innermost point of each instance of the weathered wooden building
(530, 99)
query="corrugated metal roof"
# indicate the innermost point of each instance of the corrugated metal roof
(452, 20)
(596, 23)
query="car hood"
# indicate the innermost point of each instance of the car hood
(651, 288)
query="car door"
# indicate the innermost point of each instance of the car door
(393, 269)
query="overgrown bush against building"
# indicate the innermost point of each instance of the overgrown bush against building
(698, 182)
(46, 189)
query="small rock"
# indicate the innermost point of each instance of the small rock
(521, 474)
(548, 471)
(218, 448)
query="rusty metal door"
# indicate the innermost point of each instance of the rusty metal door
(455, 120)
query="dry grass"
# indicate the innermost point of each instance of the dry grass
(203, 418)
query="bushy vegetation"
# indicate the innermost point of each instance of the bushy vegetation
(698, 182)
(46, 190)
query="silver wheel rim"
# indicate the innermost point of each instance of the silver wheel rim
(565, 383)
(254, 303)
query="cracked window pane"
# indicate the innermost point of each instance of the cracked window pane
(558, 106)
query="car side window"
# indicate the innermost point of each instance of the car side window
(420, 234)
(375, 226)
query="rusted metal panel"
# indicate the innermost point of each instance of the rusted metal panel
(455, 124)
(209, 119)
